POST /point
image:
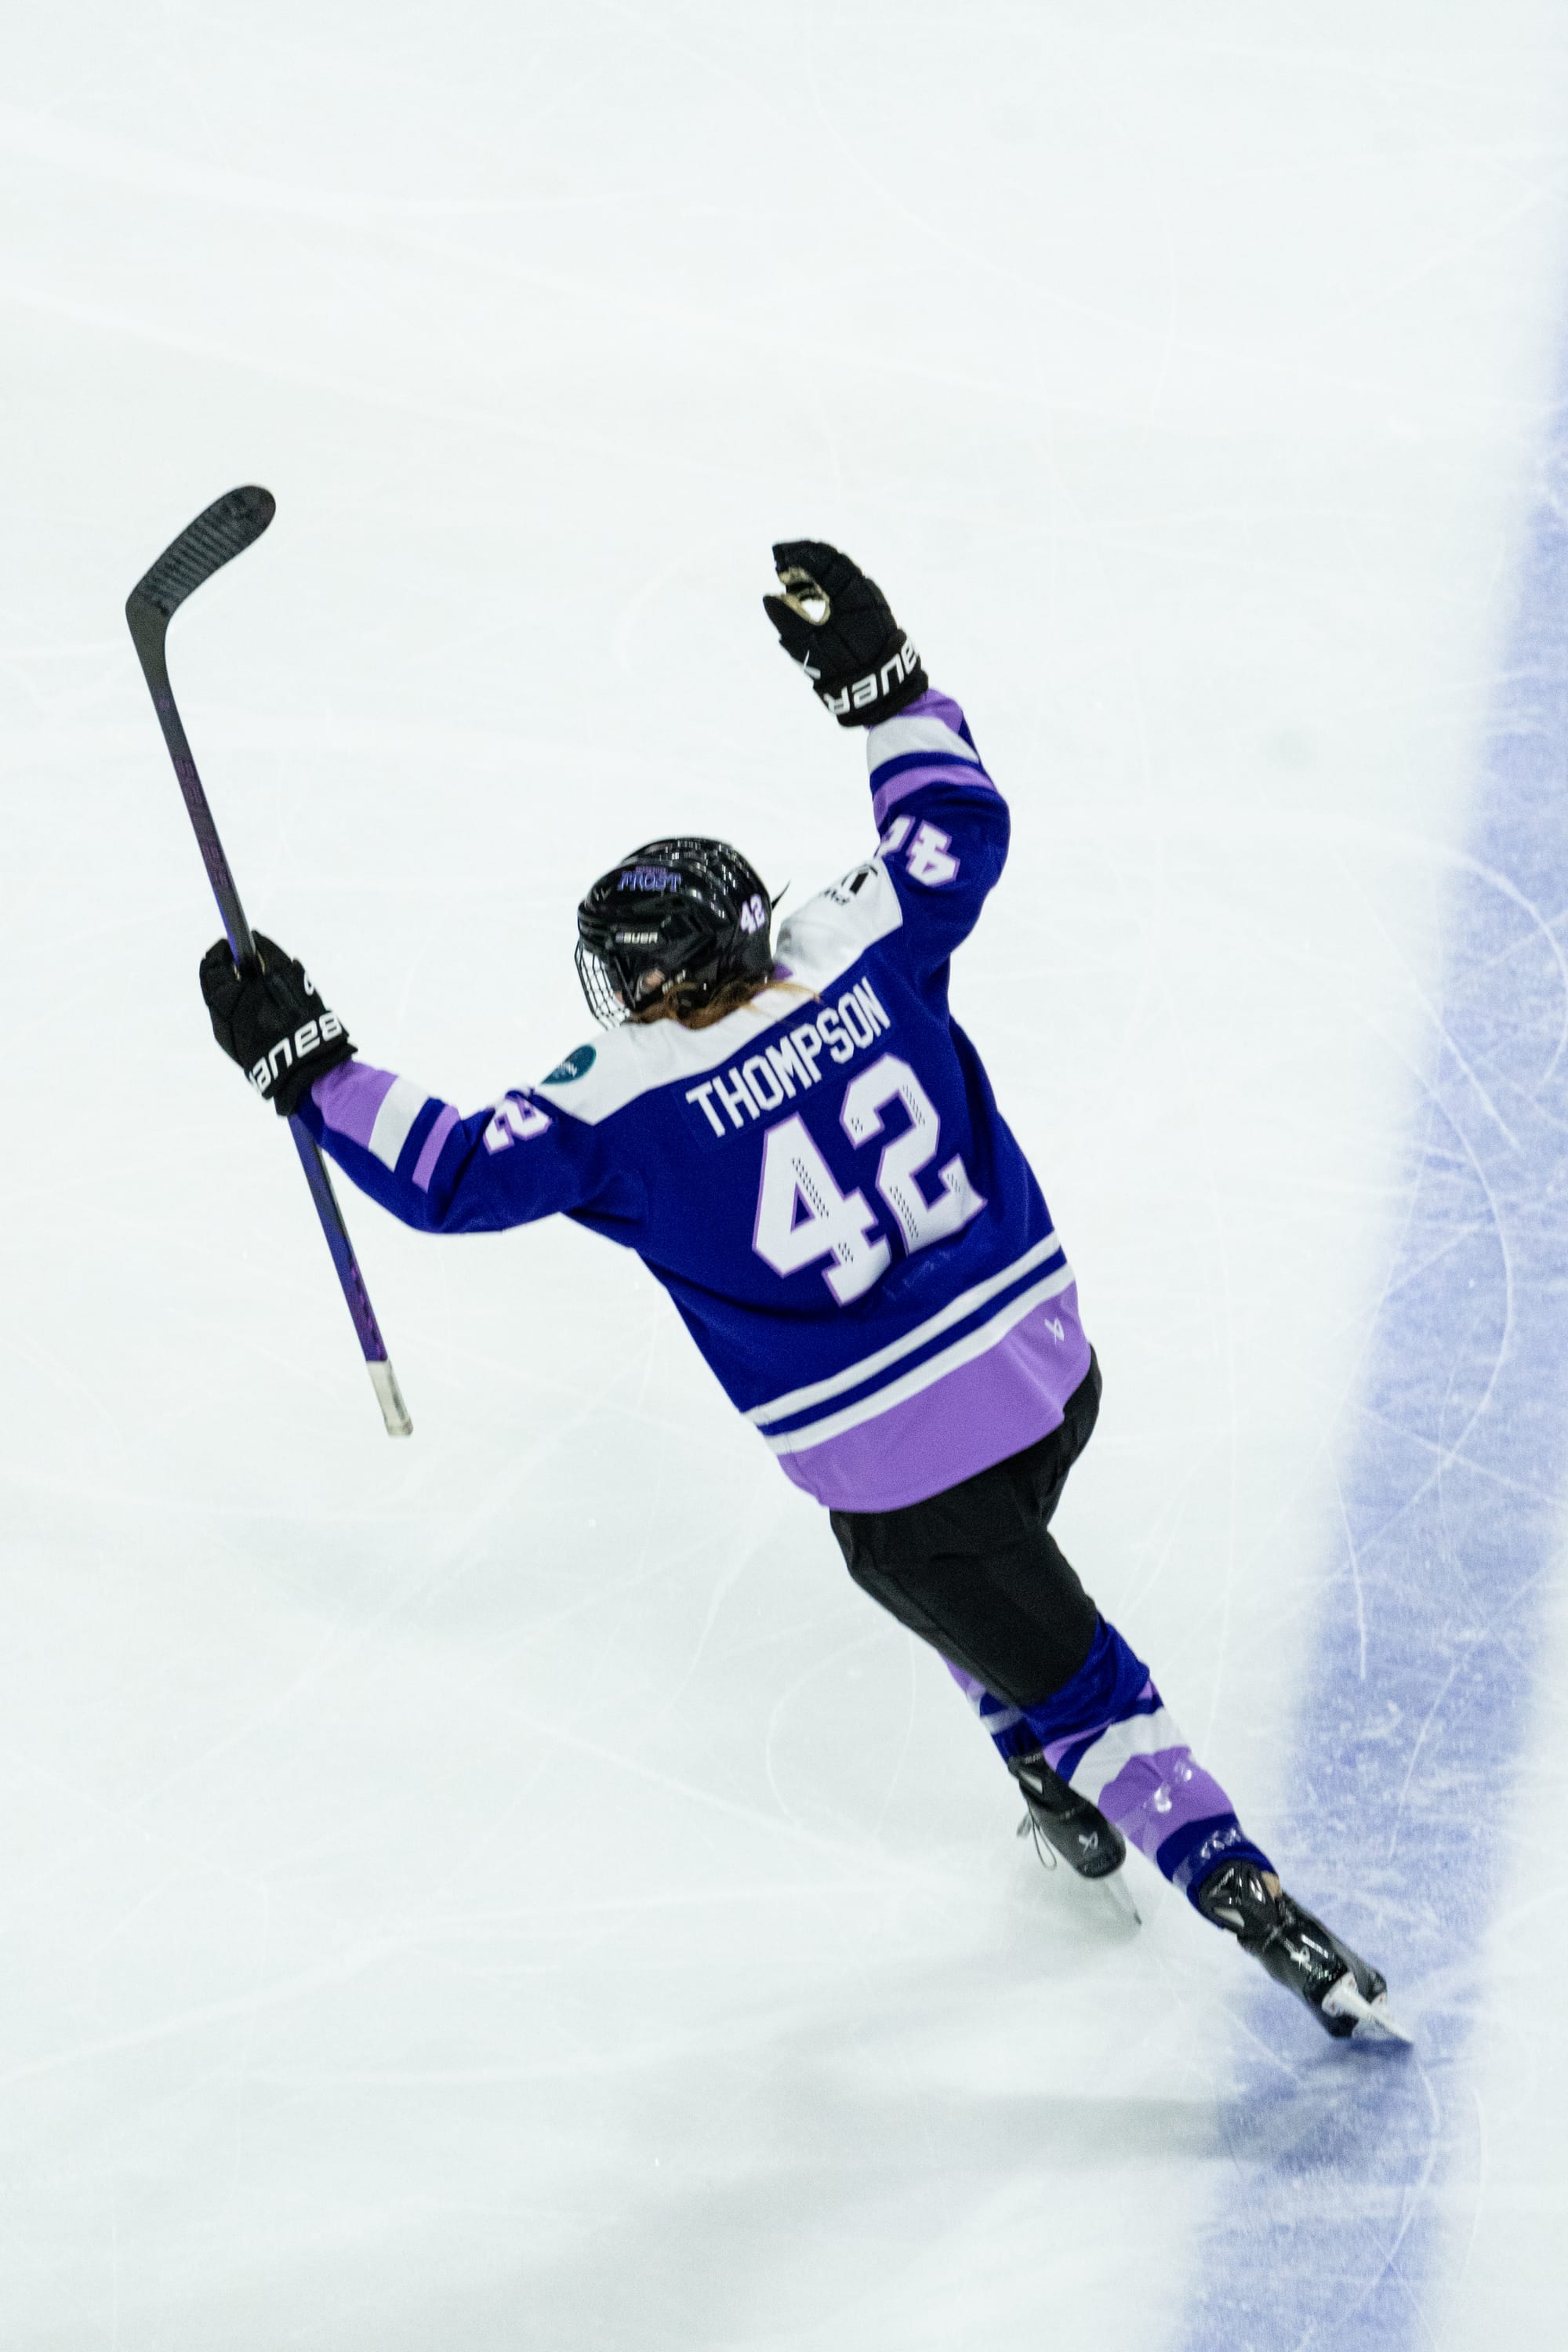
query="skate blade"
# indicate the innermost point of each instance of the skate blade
(1119, 1896)
(1380, 2024)
(1374, 2021)
(1118, 1893)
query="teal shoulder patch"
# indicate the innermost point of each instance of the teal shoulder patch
(577, 1065)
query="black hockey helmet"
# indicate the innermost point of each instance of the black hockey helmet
(683, 917)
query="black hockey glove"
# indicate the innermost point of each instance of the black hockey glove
(835, 623)
(272, 1022)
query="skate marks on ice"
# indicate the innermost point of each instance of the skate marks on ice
(1453, 1474)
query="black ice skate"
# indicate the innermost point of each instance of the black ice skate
(1064, 1823)
(1343, 1994)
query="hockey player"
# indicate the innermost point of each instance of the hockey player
(873, 1276)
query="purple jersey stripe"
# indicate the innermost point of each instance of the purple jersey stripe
(349, 1096)
(972, 1417)
(934, 704)
(990, 1317)
(937, 769)
(424, 1166)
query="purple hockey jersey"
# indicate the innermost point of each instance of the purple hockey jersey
(822, 1180)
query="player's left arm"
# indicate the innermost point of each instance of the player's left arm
(444, 1172)
(508, 1164)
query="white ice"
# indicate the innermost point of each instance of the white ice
(510, 1889)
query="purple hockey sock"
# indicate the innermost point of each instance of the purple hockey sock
(1107, 1732)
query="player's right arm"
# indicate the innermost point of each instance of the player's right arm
(944, 825)
(506, 1165)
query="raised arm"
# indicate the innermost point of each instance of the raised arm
(942, 823)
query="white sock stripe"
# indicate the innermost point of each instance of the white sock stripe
(1002, 1720)
(1140, 1735)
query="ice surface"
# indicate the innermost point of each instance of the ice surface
(510, 1889)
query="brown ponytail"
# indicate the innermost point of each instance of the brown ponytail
(723, 1000)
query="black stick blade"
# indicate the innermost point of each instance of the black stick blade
(224, 530)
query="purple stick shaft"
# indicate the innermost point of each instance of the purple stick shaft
(243, 516)
(220, 873)
(319, 1179)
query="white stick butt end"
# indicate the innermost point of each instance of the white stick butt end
(389, 1397)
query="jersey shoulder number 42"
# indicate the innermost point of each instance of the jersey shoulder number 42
(930, 859)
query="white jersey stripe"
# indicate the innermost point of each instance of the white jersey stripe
(925, 1376)
(895, 737)
(400, 1107)
(966, 1302)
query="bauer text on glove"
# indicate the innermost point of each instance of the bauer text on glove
(271, 1020)
(837, 625)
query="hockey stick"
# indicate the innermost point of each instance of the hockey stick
(226, 529)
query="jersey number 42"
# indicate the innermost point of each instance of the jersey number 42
(801, 1215)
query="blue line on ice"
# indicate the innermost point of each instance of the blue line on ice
(1411, 1735)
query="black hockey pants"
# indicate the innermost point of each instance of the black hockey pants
(976, 1570)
